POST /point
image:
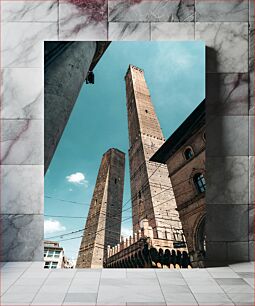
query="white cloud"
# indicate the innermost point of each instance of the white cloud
(53, 226)
(126, 232)
(77, 178)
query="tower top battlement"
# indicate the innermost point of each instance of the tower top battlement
(134, 68)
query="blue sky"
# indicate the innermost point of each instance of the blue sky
(175, 75)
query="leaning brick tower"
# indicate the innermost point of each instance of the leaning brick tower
(152, 195)
(103, 223)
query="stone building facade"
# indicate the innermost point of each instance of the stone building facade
(53, 255)
(151, 191)
(184, 155)
(143, 250)
(103, 223)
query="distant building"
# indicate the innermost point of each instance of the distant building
(68, 263)
(53, 255)
(103, 223)
(184, 155)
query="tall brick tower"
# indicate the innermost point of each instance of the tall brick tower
(151, 191)
(103, 223)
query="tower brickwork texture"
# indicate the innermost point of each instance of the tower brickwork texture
(103, 223)
(151, 190)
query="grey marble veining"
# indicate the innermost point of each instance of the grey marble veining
(151, 10)
(229, 40)
(251, 222)
(251, 93)
(251, 68)
(251, 180)
(22, 10)
(233, 228)
(25, 48)
(212, 10)
(21, 93)
(251, 135)
(172, 31)
(229, 175)
(15, 180)
(21, 237)
(251, 10)
(81, 20)
(251, 252)
(220, 142)
(21, 142)
(227, 94)
(129, 31)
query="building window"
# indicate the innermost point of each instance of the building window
(188, 153)
(115, 181)
(57, 253)
(146, 111)
(50, 265)
(199, 182)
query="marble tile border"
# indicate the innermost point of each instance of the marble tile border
(226, 30)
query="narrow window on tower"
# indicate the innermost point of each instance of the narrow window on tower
(115, 181)
(146, 111)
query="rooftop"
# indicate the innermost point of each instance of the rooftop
(189, 126)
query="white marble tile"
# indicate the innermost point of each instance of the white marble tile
(228, 42)
(234, 10)
(46, 298)
(251, 10)
(180, 299)
(151, 10)
(18, 294)
(231, 227)
(251, 69)
(21, 93)
(243, 267)
(22, 237)
(22, 189)
(23, 10)
(230, 172)
(82, 20)
(172, 31)
(251, 181)
(227, 94)
(242, 298)
(251, 135)
(23, 43)
(239, 251)
(220, 142)
(129, 31)
(216, 298)
(22, 142)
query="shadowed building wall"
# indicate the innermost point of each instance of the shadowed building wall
(103, 223)
(151, 190)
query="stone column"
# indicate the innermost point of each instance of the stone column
(66, 68)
